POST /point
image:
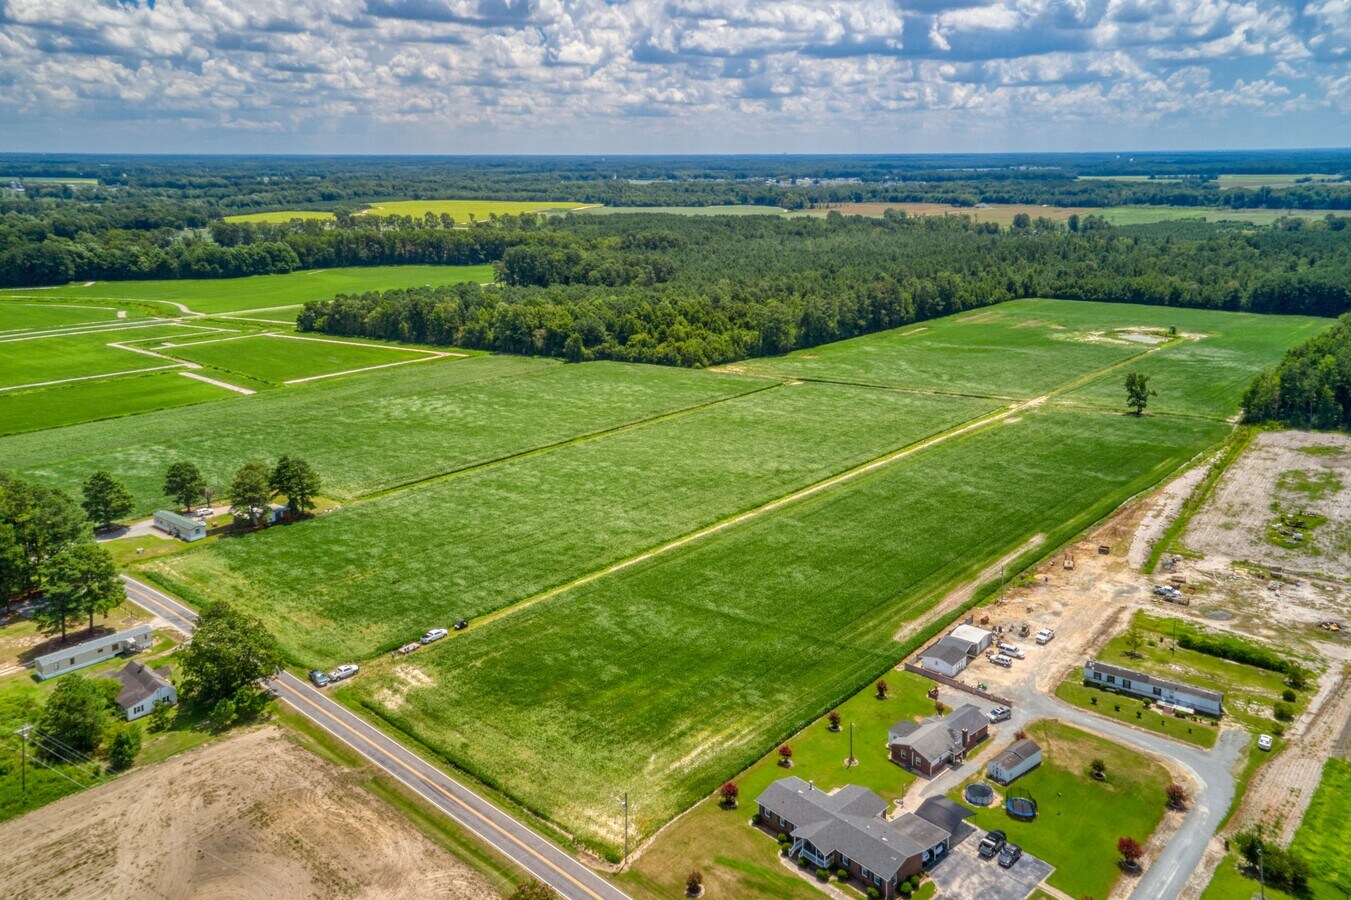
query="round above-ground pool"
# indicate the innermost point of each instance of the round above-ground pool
(979, 794)
(1021, 807)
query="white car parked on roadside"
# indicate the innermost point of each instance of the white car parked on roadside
(346, 670)
(434, 635)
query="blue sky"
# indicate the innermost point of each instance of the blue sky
(598, 76)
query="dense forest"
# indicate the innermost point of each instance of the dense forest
(1311, 388)
(698, 291)
(96, 217)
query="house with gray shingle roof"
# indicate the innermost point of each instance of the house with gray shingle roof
(847, 829)
(928, 745)
(142, 688)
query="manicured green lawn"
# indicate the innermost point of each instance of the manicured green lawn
(681, 670)
(1072, 690)
(371, 432)
(1078, 819)
(1014, 350)
(365, 580)
(740, 861)
(279, 359)
(1228, 883)
(36, 409)
(219, 295)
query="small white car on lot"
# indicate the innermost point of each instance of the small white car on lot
(434, 635)
(1000, 659)
(1012, 650)
(1045, 635)
(346, 670)
(1264, 742)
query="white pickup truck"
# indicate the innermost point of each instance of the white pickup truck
(1045, 635)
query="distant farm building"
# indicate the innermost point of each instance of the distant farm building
(1179, 695)
(185, 528)
(142, 688)
(1020, 758)
(928, 745)
(91, 652)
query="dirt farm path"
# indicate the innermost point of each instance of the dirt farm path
(250, 816)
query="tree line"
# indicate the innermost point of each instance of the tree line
(1311, 387)
(698, 291)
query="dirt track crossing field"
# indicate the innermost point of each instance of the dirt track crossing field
(251, 816)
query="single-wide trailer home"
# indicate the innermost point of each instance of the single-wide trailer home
(185, 528)
(1152, 687)
(90, 652)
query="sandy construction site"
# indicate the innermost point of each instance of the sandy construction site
(254, 815)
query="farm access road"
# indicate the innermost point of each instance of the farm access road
(533, 853)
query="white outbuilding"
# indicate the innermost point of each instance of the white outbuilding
(1020, 758)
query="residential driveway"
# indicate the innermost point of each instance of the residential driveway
(964, 874)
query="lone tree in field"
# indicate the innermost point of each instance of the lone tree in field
(105, 499)
(729, 792)
(1138, 392)
(293, 478)
(250, 493)
(1098, 768)
(834, 719)
(882, 688)
(1134, 641)
(1130, 851)
(1177, 796)
(785, 755)
(79, 581)
(184, 483)
(229, 653)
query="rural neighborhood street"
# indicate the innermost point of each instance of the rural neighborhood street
(513, 840)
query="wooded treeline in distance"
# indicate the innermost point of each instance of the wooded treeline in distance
(701, 291)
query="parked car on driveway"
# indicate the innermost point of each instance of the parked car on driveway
(346, 670)
(1264, 742)
(319, 678)
(991, 844)
(1010, 855)
(1012, 650)
(999, 714)
(1000, 659)
(434, 635)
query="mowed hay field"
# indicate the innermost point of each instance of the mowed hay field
(19, 315)
(674, 674)
(372, 432)
(462, 210)
(365, 580)
(280, 358)
(36, 409)
(225, 295)
(42, 358)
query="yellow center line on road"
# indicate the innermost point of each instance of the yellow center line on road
(295, 695)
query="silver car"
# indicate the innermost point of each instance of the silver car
(346, 670)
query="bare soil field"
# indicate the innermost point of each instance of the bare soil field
(251, 816)
(1283, 474)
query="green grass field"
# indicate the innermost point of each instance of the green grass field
(1079, 819)
(1324, 837)
(365, 434)
(46, 358)
(746, 210)
(683, 669)
(462, 210)
(224, 295)
(27, 315)
(1147, 215)
(277, 218)
(36, 409)
(1014, 350)
(354, 583)
(278, 359)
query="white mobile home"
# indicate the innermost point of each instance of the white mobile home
(91, 652)
(185, 528)
(1162, 690)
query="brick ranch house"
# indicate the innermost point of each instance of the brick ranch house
(930, 744)
(848, 829)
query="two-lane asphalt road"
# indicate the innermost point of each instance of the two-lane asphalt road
(521, 845)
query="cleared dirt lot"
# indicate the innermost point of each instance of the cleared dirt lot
(251, 816)
(1284, 472)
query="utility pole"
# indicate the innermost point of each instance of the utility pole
(1001, 589)
(852, 761)
(23, 758)
(1261, 873)
(626, 825)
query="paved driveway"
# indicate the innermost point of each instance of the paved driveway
(964, 874)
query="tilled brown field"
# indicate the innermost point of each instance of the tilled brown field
(251, 816)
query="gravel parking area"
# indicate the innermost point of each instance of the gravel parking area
(965, 874)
